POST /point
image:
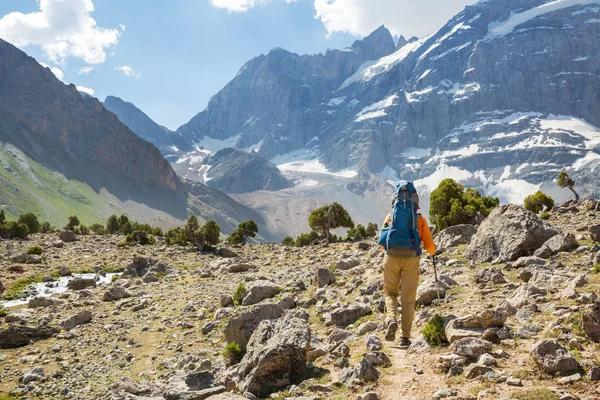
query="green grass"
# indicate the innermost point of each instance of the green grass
(37, 250)
(233, 353)
(113, 269)
(7, 397)
(17, 289)
(160, 274)
(3, 312)
(596, 269)
(538, 393)
(434, 330)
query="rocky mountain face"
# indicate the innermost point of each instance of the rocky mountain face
(63, 153)
(310, 322)
(32, 99)
(502, 97)
(166, 141)
(235, 171)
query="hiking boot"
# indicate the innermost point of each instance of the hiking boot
(392, 327)
(405, 342)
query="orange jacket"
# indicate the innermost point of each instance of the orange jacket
(424, 233)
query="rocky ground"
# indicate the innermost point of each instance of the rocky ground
(516, 327)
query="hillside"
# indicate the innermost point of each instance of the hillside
(522, 328)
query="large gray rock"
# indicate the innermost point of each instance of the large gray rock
(323, 277)
(239, 329)
(20, 335)
(142, 266)
(471, 347)
(74, 320)
(429, 290)
(67, 236)
(275, 357)
(260, 290)
(116, 292)
(509, 232)
(552, 358)
(490, 275)
(347, 315)
(454, 236)
(81, 283)
(591, 323)
(556, 244)
(193, 386)
(595, 233)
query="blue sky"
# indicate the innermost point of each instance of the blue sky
(170, 57)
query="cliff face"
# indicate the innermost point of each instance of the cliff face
(32, 97)
(506, 91)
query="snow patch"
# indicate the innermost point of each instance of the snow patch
(376, 110)
(443, 171)
(371, 69)
(498, 29)
(589, 157)
(215, 145)
(336, 101)
(415, 153)
(565, 123)
(388, 174)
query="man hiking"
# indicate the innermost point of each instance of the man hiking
(404, 229)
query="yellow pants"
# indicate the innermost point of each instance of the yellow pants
(401, 277)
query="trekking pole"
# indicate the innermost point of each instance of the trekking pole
(437, 288)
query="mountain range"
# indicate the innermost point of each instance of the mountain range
(501, 98)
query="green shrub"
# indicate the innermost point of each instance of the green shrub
(357, 233)
(372, 230)
(97, 229)
(244, 231)
(596, 269)
(157, 231)
(122, 244)
(160, 274)
(306, 239)
(233, 353)
(84, 230)
(45, 227)
(212, 232)
(565, 181)
(140, 237)
(2, 216)
(126, 228)
(536, 202)
(115, 277)
(451, 204)
(239, 294)
(434, 331)
(112, 225)
(73, 223)
(13, 229)
(288, 241)
(37, 250)
(3, 312)
(31, 220)
(545, 215)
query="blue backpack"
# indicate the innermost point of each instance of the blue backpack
(403, 230)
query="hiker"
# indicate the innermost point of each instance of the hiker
(404, 229)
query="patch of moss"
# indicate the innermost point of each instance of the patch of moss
(537, 393)
(36, 250)
(16, 291)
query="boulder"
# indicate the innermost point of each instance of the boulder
(236, 268)
(226, 253)
(509, 232)
(476, 325)
(82, 317)
(63, 270)
(476, 370)
(363, 372)
(454, 236)
(471, 347)
(116, 293)
(239, 329)
(150, 277)
(344, 316)
(44, 302)
(591, 323)
(193, 386)
(595, 233)
(20, 335)
(142, 266)
(347, 264)
(1, 287)
(67, 236)
(552, 358)
(81, 283)
(275, 356)
(260, 290)
(556, 244)
(490, 275)
(427, 291)
(32, 375)
(323, 277)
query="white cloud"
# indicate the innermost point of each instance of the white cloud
(241, 5)
(85, 70)
(123, 27)
(63, 28)
(401, 17)
(56, 71)
(85, 90)
(128, 71)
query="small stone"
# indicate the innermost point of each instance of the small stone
(445, 393)
(570, 379)
(594, 374)
(514, 382)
